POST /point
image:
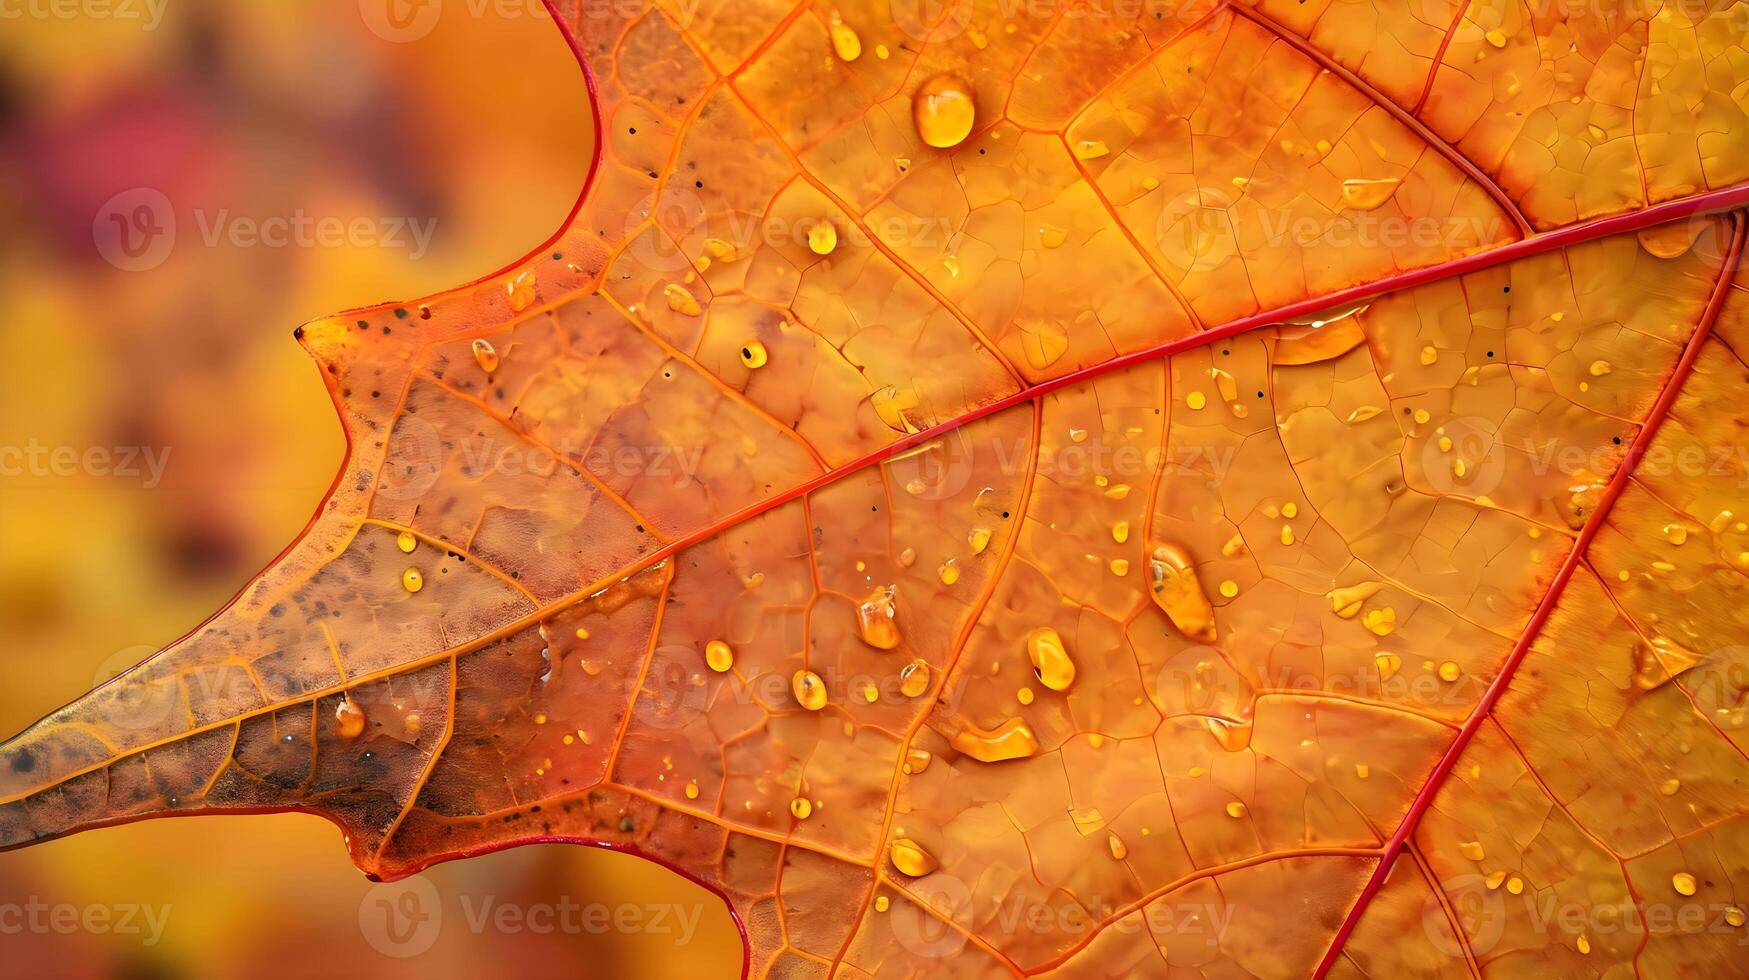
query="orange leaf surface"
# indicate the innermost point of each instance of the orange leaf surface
(1241, 489)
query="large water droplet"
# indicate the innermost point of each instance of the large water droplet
(877, 619)
(943, 111)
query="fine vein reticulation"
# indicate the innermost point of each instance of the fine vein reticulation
(1100, 489)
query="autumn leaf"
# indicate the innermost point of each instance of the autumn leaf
(1119, 488)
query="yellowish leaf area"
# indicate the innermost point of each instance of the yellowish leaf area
(1126, 489)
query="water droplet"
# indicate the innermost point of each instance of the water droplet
(1236, 810)
(407, 542)
(1050, 658)
(1051, 236)
(1472, 849)
(1584, 944)
(350, 717)
(1671, 241)
(1599, 368)
(882, 903)
(1091, 149)
(845, 42)
(1365, 195)
(720, 250)
(412, 580)
(753, 354)
(810, 690)
(801, 808)
(1178, 593)
(1683, 882)
(949, 572)
(1196, 400)
(718, 656)
(692, 790)
(1735, 916)
(1233, 736)
(1496, 37)
(1118, 850)
(486, 355)
(914, 679)
(1450, 671)
(911, 859)
(1388, 665)
(1013, 739)
(822, 238)
(1429, 356)
(1229, 589)
(877, 618)
(943, 111)
(520, 291)
(978, 539)
(1381, 622)
(681, 300)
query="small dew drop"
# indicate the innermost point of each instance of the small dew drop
(911, 859)
(809, 689)
(914, 679)
(485, 355)
(753, 354)
(877, 618)
(350, 718)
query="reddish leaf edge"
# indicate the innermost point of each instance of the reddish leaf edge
(1530, 244)
(1546, 607)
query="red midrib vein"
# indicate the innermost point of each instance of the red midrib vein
(1711, 202)
(1447, 762)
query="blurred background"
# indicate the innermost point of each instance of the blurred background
(188, 180)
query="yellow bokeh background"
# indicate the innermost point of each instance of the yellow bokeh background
(246, 110)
